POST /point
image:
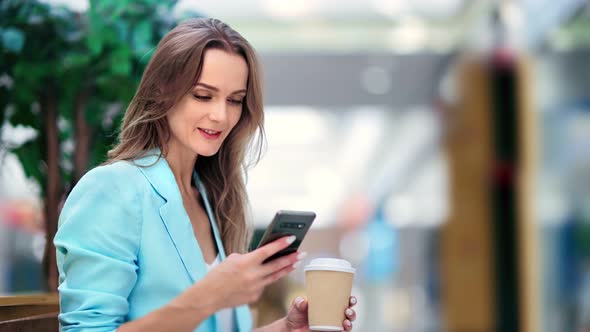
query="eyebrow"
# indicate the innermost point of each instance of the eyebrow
(211, 87)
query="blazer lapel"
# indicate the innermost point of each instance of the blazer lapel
(176, 221)
(210, 214)
(242, 313)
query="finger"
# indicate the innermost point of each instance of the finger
(350, 314)
(352, 301)
(300, 303)
(280, 263)
(347, 325)
(264, 252)
(277, 275)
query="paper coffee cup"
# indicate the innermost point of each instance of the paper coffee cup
(328, 283)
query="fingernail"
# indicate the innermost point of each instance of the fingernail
(348, 323)
(301, 256)
(349, 312)
(291, 239)
(353, 300)
(296, 265)
(298, 300)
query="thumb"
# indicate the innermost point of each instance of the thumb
(300, 303)
(297, 314)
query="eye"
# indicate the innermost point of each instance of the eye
(235, 101)
(202, 98)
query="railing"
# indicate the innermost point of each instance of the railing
(34, 312)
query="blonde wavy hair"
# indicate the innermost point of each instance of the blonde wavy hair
(172, 72)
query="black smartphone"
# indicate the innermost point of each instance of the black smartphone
(287, 223)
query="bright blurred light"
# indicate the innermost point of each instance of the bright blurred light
(75, 5)
(390, 8)
(410, 35)
(13, 180)
(38, 246)
(314, 159)
(430, 8)
(16, 136)
(513, 18)
(296, 125)
(436, 8)
(397, 308)
(553, 206)
(360, 137)
(416, 137)
(360, 308)
(354, 247)
(324, 184)
(288, 9)
(400, 210)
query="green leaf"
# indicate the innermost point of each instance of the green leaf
(120, 62)
(101, 142)
(94, 43)
(93, 113)
(122, 28)
(75, 60)
(29, 155)
(110, 36)
(169, 4)
(119, 8)
(13, 40)
(29, 75)
(93, 4)
(25, 117)
(142, 38)
(100, 6)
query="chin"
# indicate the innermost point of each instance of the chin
(208, 153)
(205, 152)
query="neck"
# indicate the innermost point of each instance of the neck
(182, 163)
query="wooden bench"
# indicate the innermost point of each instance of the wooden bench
(31, 312)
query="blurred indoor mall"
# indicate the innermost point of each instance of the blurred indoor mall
(443, 144)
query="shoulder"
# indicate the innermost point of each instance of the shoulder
(105, 195)
(119, 176)
(121, 180)
(115, 173)
(104, 209)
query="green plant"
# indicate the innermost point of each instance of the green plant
(70, 77)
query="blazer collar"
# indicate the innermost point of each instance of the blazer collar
(157, 171)
(242, 313)
(210, 214)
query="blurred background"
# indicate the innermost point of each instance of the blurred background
(443, 144)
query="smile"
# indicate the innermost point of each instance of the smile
(210, 134)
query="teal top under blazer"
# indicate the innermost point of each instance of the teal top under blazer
(126, 247)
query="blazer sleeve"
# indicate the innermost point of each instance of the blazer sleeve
(97, 244)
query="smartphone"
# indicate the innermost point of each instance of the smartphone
(287, 223)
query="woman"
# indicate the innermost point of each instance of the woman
(142, 240)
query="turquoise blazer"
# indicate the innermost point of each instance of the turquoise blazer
(126, 247)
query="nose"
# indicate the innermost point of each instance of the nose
(218, 112)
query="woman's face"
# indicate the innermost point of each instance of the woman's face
(202, 119)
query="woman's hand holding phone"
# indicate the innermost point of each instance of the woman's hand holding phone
(241, 278)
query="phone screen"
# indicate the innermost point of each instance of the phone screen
(287, 223)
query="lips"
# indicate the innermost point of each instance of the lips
(209, 134)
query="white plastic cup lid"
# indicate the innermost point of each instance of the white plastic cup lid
(330, 264)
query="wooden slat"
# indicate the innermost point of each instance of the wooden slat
(529, 263)
(467, 257)
(22, 306)
(15, 312)
(38, 323)
(30, 299)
